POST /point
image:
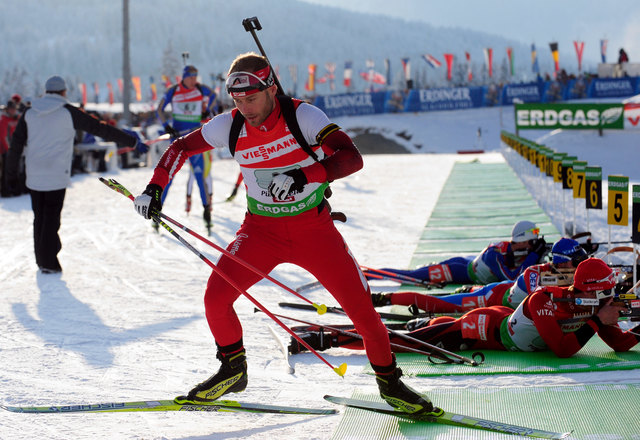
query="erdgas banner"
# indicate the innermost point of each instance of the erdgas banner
(582, 116)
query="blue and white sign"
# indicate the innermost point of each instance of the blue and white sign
(351, 104)
(528, 92)
(612, 87)
(443, 99)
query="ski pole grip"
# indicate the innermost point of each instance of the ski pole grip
(251, 23)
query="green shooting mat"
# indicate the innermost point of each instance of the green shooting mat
(592, 412)
(479, 204)
(594, 356)
(488, 233)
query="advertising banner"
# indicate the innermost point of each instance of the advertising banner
(351, 104)
(578, 116)
(443, 99)
(529, 92)
(632, 116)
(612, 87)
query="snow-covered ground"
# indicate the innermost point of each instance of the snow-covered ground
(125, 320)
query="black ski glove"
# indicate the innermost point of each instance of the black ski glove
(284, 184)
(168, 128)
(150, 201)
(539, 247)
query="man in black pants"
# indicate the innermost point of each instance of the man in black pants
(48, 129)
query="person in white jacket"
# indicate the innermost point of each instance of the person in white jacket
(45, 133)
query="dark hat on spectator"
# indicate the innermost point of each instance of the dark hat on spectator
(55, 84)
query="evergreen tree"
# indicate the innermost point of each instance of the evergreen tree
(170, 62)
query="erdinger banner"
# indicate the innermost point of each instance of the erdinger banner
(443, 99)
(529, 92)
(351, 104)
(612, 87)
(587, 116)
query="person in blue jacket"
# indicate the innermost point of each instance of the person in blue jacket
(191, 103)
(500, 261)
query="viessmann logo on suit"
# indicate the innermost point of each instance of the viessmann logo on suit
(570, 116)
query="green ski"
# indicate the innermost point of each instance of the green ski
(449, 418)
(168, 405)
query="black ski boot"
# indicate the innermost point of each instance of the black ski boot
(381, 299)
(399, 395)
(230, 378)
(207, 217)
(318, 340)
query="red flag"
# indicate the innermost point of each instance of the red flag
(110, 88)
(448, 57)
(488, 58)
(311, 82)
(120, 86)
(83, 89)
(373, 77)
(579, 45)
(469, 72)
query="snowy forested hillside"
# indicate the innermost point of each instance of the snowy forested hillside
(81, 40)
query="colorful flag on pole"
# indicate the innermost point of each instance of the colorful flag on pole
(348, 71)
(331, 75)
(135, 80)
(603, 50)
(120, 86)
(166, 81)
(374, 77)
(96, 92)
(510, 57)
(579, 45)
(488, 59)
(387, 70)
(311, 81)
(83, 90)
(154, 91)
(469, 72)
(448, 57)
(556, 56)
(406, 67)
(293, 72)
(432, 61)
(110, 89)
(535, 67)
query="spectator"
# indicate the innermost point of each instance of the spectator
(622, 56)
(8, 122)
(48, 129)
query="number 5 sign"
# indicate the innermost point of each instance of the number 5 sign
(618, 205)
